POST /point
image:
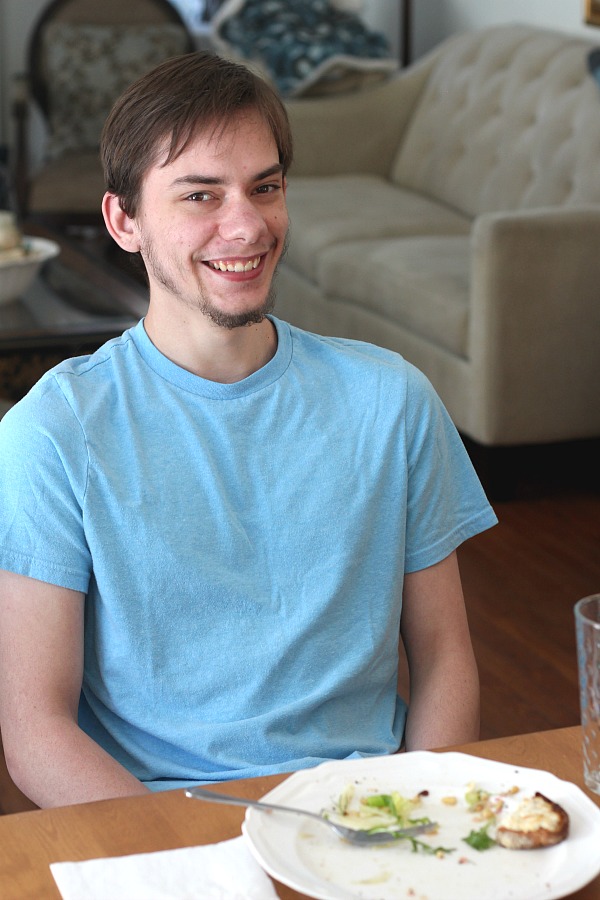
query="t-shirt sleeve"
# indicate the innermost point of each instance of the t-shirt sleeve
(43, 470)
(446, 503)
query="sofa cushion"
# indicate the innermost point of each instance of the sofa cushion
(509, 119)
(332, 210)
(421, 284)
(88, 66)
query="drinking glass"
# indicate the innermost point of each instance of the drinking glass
(587, 627)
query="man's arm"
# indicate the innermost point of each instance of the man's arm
(444, 684)
(41, 667)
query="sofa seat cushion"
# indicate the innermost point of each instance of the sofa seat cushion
(421, 284)
(332, 210)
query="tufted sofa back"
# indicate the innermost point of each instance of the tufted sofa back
(509, 119)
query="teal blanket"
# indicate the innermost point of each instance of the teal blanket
(301, 43)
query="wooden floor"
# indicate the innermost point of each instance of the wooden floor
(521, 580)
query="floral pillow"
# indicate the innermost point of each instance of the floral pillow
(88, 66)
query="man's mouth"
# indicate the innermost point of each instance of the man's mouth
(238, 265)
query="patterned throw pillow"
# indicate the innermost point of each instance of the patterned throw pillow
(304, 46)
(88, 66)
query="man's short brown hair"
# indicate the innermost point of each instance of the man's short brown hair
(163, 110)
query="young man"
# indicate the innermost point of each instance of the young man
(214, 528)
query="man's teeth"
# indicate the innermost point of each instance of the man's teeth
(223, 266)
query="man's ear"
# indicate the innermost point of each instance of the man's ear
(121, 228)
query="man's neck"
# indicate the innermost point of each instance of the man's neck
(211, 351)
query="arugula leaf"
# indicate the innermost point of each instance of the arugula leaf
(427, 848)
(480, 840)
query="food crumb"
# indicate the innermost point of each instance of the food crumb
(449, 801)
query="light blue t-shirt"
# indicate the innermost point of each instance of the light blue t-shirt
(241, 546)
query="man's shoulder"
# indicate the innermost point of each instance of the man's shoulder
(63, 389)
(346, 348)
(83, 365)
(362, 357)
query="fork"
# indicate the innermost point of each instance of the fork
(353, 835)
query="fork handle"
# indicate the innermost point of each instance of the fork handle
(198, 793)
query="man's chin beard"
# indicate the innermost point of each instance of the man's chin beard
(203, 303)
(237, 320)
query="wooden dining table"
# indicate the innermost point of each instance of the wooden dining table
(30, 841)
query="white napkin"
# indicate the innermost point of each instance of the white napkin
(225, 871)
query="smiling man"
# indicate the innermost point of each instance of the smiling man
(215, 529)
(210, 228)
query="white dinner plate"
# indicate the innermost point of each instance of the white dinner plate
(309, 858)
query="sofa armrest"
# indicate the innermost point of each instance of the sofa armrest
(535, 325)
(358, 132)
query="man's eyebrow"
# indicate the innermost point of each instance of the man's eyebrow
(193, 180)
(272, 170)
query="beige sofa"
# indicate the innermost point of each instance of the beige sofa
(453, 215)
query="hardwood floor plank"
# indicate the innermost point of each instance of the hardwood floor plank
(521, 581)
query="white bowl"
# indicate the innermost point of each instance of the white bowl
(17, 274)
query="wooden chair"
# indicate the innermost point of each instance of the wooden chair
(82, 54)
(12, 800)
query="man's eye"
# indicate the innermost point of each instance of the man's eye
(267, 188)
(199, 196)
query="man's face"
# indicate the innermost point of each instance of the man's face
(212, 224)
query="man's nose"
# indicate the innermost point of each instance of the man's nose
(241, 220)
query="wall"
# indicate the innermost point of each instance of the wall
(433, 20)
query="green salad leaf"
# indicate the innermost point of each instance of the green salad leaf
(385, 813)
(480, 840)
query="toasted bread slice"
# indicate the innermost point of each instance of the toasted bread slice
(536, 822)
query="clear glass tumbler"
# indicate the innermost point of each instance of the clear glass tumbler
(587, 627)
